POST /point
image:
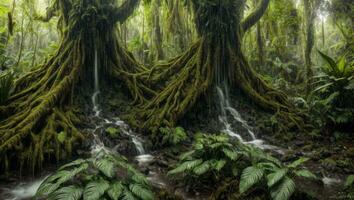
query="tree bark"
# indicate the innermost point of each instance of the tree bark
(309, 13)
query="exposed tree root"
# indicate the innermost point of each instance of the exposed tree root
(40, 109)
(215, 59)
(42, 104)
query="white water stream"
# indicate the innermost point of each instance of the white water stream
(27, 190)
(228, 111)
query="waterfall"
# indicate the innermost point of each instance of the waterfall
(96, 92)
(227, 110)
(98, 145)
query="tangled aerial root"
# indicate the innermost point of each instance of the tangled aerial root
(39, 111)
(177, 85)
(42, 105)
(165, 92)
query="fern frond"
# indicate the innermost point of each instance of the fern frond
(186, 166)
(115, 190)
(141, 192)
(202, 168)
(128, 195)
(275, 177)
(219, 164)
(230, 154)
(139, 178)
(67, 193)
(250, 176)
(95, 189)
(305, 173)
(187, 155)
(298, 162)
(283, 190)
(74, 163)
(105, 166)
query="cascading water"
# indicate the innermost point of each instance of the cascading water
(98, 145)
(24, 190)
(97, 142)
(225, 109)
(96, 88)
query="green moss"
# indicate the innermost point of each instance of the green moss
(113, 132)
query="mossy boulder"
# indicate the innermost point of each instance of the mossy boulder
(113, 132)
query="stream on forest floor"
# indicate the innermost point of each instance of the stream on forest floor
(26, 190)
(226, 110)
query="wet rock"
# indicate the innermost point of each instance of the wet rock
(125, 147)
(329, 164)
(325, 153)
(299, 143)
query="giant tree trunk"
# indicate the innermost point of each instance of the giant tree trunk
(215, 58)
(310, 14)
(157, 33)
(42, 105)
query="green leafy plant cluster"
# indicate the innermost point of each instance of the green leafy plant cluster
(215, 158)
(113, 132)
(105, 177)
(211, 158)
(338, 77)
(349, 187)
(6, 82)
(172, 136)
(333, 95)
(278, 177)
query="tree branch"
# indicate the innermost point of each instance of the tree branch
(50, 13)
(125, 10)
(255, 16)
(48, 16)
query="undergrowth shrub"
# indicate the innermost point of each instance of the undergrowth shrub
(171, 136)
(332, 99)
(215, 159)
(106, 176)
(349, 187)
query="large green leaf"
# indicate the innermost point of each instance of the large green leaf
(342, 64)
(350, 180)
(201, 169)
(219, 164)
(187, 155)
(275, 177)
(330, 62)
(188, 165)
(95, 189)
(141, 192)
(250, 176)
(283, 190)
(230, 153)
(105, 166)
(73, 163)
(298, 162)
(128, 195)
(305, 173)
(115, 190)
(67, 193)
(54, 181)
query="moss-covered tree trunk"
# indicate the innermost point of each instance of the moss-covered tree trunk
(215, 58)
(157, 33)
(42, 105)
(309, 13)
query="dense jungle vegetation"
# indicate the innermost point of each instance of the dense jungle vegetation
(176, 99)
